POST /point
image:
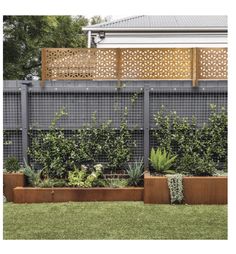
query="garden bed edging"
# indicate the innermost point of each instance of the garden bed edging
(197, 190)
(41, 195)
(11, 181)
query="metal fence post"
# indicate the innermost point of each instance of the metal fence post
(25, 119)
(146, 126)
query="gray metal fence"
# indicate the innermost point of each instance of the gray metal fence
(31, 107)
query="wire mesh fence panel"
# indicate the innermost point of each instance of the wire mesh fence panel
(83, 105)
(12, 110)
(12, 144)
(103, 101)
(187, 102)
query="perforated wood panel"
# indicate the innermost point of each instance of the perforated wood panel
(156, 63)
(212, 63)
(76, 63)
(133, 64)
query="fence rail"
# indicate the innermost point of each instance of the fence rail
(134, 64)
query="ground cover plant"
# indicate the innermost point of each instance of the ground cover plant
(113, 220)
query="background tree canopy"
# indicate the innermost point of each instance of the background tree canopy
(24, 36)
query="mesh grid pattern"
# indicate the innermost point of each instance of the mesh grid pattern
(186, 104)
(82, 99)
(80, 107)
(12, 144)
(12, 110)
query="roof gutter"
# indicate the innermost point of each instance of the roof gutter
(157, 29)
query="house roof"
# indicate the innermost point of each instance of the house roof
(160, 23)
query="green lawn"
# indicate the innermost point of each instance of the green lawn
(114, 220)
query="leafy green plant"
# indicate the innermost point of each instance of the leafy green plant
(82, 177)
(175, 184)
(96, 141)
(48, 183)
(33, 176)
(12, 164)
(56, 153)
(116, 183)
(184, 137)
(198, 166)
(93, 139)
(77, 177)
(161, 161)
(214, 141)
(119, 148)
(135, 172)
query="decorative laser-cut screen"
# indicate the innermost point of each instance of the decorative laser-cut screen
(156, 63)
(134, 63)
(212, 63)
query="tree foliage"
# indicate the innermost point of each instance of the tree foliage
(25, 36)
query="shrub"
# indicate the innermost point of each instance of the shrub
(161, 161)
(182, 136)
(96, 141)
(214, 140)
(56, 153)
(92, 140)
(175, 184)
(83, 178)
(135, 172)
(12, 164)
(198, 166)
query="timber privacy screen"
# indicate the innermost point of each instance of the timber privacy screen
(107, 82)
(135, 64)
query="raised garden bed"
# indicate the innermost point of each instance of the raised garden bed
(41, 195)
(197, 190)
(10, 181)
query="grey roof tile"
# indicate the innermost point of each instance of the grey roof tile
(178, 21)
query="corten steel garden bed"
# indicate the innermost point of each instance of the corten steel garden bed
(10, 181)
(41, 195)
(197, 190)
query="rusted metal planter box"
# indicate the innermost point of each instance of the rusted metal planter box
(197, 190)
(41, 195)
(10, 181)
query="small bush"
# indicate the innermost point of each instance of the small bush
(84, 178)
(184, 137)
(56, 153)
(12, 164)
(161, 160)
(198, 166)
(33, 176)
(135, 172)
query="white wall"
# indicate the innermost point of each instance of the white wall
(162, 40)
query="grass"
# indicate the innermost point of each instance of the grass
(114, 220)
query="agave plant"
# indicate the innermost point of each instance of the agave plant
(32, 175)
(161, 161)
(135, 171)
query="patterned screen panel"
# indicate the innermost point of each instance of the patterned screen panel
(212, 63)
(156, 63)
(134, 64)
(77, 64)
